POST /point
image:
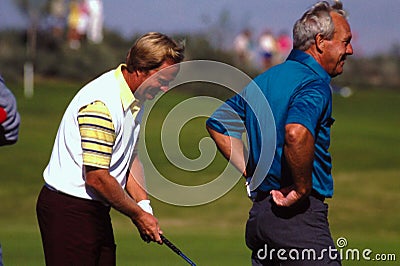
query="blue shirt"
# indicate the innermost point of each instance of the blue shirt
(298, 91)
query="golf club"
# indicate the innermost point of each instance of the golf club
(176, 250)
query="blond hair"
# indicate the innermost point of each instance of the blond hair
(151, 50)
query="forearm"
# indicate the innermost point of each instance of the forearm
(104, 185)
(299, 155)
(232, 149)
(136, 183)
(107, 187)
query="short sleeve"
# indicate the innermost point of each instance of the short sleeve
(228, 118)
(308, 105)
(97, 134)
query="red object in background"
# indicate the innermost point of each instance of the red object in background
(3, 115)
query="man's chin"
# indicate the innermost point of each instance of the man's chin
(337, 71)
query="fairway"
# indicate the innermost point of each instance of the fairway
(365, 209)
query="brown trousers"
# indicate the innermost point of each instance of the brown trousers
(74, 231)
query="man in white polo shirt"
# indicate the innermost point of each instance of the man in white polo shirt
(94, 164)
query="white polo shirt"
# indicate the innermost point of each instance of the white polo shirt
(64, 171)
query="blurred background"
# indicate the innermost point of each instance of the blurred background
(51, 48)
(79, 39)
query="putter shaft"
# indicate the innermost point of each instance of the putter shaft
(176, 250)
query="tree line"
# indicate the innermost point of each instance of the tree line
(56, 60)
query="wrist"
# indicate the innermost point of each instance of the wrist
(303, 192)
(145, 205)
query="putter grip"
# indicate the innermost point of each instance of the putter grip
(170, 245)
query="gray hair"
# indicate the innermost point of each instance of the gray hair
(316, 20)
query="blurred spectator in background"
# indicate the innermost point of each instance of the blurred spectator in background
(83, 20)
(78, 18)
(284, 46)
(9, 116)
(56, 21)
(267, 46)
(95, 23)
(243, 46)
(73, 20)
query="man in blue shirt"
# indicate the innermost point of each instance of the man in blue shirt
(289, 215)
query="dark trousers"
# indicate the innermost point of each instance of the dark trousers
(75, 231)
(297, 235)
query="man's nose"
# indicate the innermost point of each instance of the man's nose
(349, 49)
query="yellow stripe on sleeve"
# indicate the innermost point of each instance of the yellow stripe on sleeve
(97, 134)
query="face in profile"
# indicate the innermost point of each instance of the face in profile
(336, 50)
(156, 81)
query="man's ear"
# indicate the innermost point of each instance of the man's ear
(319, 43)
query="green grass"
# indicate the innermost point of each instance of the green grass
(365, 134)
(365, 209)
